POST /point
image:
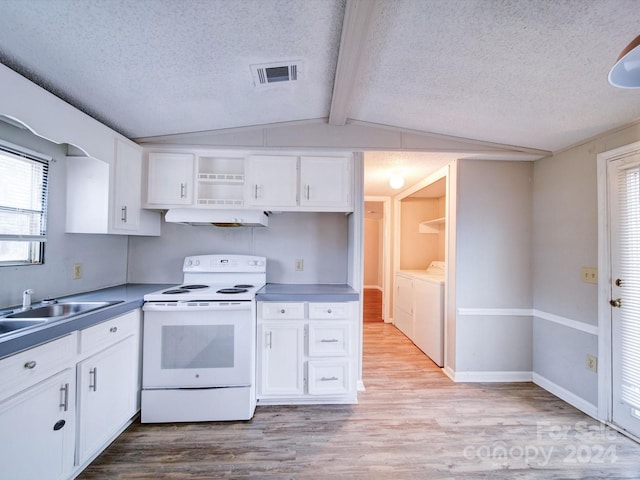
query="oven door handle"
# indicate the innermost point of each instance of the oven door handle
(184, 306)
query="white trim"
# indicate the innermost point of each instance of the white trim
(360, 386)
(567, 322)
(496, 312)
(531, 312)
(497, 376)
(565, 395)
(449, 372)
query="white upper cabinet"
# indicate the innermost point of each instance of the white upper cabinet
(326, 182)
(170, 179)
(104, 195)
(271, 181)
(305, 183)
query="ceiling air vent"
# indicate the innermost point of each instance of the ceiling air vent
(275, 73)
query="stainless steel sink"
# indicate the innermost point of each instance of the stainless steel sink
(7, 326)
(59, 310)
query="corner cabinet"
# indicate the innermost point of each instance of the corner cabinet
(104, 195)
(306, 352)
(299, 183)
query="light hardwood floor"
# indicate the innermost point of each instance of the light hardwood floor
(412, 422)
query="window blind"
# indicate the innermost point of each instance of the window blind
(629, 238)
(23, 205)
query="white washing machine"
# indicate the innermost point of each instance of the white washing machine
(426, 325)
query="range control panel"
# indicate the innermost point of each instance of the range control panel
(224, 263)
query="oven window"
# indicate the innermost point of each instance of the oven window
(197, 346)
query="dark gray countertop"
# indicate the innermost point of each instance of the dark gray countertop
(284, 292)
(130, 294)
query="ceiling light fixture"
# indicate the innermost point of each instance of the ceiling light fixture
(626, 72)
(396, 181)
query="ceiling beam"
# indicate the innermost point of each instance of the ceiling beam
(355, 27)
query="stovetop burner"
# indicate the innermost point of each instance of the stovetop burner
(232, 290)
(194, 286)
(243, 286)
(175, 291)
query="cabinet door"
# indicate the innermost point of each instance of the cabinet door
(280, 359)
(128, 183)
(170, 179)
(271, 181)
(38, 431)
(429, 320)
(107, 395)
(325, 182)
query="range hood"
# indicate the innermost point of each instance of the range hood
(217, 218)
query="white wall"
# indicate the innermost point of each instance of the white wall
(103, 257)
(319, 239)
(565, 240)
(493, 270)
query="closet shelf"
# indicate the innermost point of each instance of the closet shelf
(431, 226)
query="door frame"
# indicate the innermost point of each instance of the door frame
(605, 379)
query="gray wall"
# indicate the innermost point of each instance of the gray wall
(103, 257)
(493, 266)
(565, 239)
(319, 239)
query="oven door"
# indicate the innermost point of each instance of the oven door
(198, 344)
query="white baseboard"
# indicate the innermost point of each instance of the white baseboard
(564, 394)
(477, 377)
(360, 386)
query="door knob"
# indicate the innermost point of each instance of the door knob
(616, 302)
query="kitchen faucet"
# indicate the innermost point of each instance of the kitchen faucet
(26, 299)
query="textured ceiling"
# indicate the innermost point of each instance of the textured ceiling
(528, 73)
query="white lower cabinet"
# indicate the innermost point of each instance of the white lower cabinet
(106, 396)
(37, 428)
(64, 401)
(282, 352)
(37, 411)
(307, 352)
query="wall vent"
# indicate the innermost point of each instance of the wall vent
(275, 73)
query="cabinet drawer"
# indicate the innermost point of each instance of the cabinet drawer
(27, 368)
(272, 310)
(107, 333)
(328, 310)
(328, 339)
(328, 377)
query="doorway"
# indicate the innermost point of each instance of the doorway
(376, 260)
(619, 299)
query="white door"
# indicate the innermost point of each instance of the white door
(624, 214)
(170, 179)
(128, 178)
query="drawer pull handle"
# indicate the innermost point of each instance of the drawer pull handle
(329, 311)
(30, 365)
(329, 340)
(328, 379)
(113, 329)
(282, 311)
(64, 390)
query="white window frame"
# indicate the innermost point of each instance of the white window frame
(36, 242)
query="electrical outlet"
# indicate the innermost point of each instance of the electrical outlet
(589, 275)
(592, 363)
(299, 264)
(77, 271)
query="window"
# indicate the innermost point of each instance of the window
(23, 205)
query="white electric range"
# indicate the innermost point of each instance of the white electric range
(199, 342)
